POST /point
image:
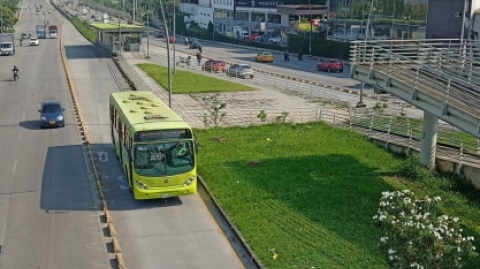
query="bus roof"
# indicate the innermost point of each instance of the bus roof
(143, 110)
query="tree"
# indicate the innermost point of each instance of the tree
(7, 17)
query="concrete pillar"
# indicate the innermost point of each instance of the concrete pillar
(429, 140)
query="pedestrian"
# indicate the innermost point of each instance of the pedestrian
(199, 58)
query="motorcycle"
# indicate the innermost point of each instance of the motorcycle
(286, 57)
(301, 57)
(15, 75)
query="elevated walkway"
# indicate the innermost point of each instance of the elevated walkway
(441, 77)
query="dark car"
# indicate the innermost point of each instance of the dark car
(190, 40)
(195, 45)
(330, 65)
(51, 114)
(215, 66)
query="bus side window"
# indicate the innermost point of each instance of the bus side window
(120, 131)
(112, 113)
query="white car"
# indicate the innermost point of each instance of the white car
(33, 42)
(274, 39)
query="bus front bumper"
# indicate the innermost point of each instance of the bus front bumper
(163, 193)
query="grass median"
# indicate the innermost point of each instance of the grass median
(87, 31)
(187, 82)
(308, 192)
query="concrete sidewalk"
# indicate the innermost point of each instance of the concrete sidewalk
(242, 107)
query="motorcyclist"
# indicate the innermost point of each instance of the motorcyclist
(21, 41)
(29, 34)
(286, 56)
(15, 71)
(300, 55)
(200, 49)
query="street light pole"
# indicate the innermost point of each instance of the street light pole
(168, 58)
(311, 28)
(174, 35)
(148, 32)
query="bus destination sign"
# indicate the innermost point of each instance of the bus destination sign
(163, 135)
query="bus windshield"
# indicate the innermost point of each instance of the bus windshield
(164, 159)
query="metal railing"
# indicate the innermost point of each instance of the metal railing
(429, 66)
(450, 56)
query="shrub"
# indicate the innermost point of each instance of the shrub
(416, 236)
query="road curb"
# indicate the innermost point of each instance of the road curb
(84, 136)
(305, 81)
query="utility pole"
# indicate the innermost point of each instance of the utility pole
(168, 58)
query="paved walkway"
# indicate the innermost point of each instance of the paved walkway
(242, 107)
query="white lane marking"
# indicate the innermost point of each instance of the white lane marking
(14, 166)
(20, 136)
(124, 187)
(122, 179)
(103, 156)
(23, 117)
(3, 234)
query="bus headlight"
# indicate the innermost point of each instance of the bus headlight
(141, 185)
(189, 181)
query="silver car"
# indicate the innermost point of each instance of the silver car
(240, 71)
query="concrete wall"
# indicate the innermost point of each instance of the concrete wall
(442, 165)
(441, 20)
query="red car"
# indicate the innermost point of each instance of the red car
(253, 37)
(172, 39)
(215, 66)
(330, 65)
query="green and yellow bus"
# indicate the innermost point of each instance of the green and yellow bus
(156, 148)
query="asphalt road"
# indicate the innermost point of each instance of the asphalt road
(49, 210)
(304, 70)
(174, 233)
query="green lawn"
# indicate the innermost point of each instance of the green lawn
(87, 31)
(312, 195)
(188, 82)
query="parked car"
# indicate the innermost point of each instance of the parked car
(172, 39)
(252, 37)
(33, 42)
(330, 65)
(264, 37)
(275, 39)
(195, 45)
(51, 114)
(265, 56)
(215, 66)
(240, 71)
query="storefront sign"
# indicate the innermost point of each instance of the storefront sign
(258, 3)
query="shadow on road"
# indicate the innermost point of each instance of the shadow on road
(85, 52)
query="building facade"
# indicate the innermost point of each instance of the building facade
(377, 19)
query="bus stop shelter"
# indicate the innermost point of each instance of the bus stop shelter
(114, 37)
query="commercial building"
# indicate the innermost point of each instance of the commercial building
(399, 19)
(200, 11)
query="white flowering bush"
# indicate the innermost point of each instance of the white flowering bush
(416, 237)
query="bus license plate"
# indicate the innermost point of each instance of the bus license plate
(52, 122)
(166, 195)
